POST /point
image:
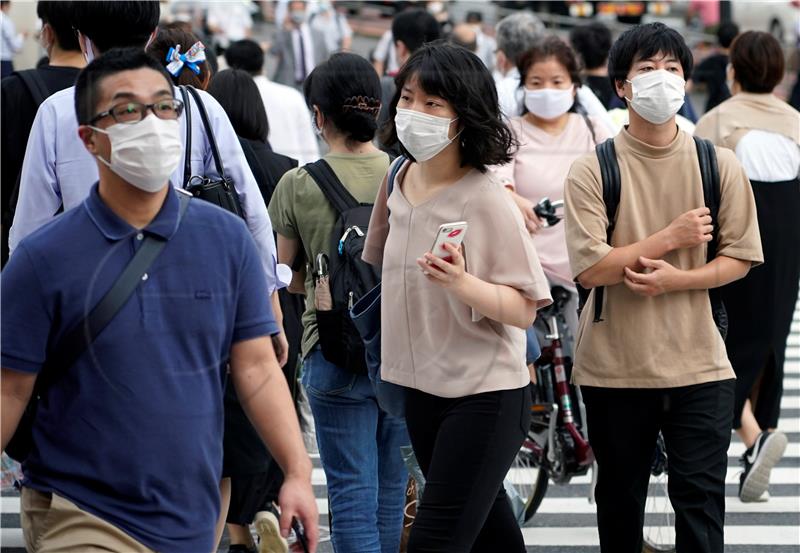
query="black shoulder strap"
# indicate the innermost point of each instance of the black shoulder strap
(709, 172)
(331, 186)
(609, 172)
(209, 131)
(394, 169)
(187, 157)
(84, 333)
(590, 125)
(35, 85)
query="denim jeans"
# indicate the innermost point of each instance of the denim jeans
(359, 445)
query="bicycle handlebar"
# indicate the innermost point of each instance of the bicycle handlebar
(547, 211)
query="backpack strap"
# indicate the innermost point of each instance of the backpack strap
(394, 169)
(709, 172)
(209, 131)
(35, 85)
(590, 125)
(331, 186)
(187, 157)
(609, 172)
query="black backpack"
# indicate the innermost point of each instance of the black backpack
(709, 171)
(350, 276)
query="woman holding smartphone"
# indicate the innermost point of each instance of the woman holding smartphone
(454, 331)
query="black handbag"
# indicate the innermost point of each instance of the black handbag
(79, 337)
(219, 190)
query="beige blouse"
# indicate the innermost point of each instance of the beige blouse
(430, 340)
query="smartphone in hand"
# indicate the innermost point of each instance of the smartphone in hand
(448, 233)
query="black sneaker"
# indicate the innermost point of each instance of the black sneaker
(758, 462)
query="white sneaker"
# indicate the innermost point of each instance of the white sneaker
(758, 461)
(269, 533)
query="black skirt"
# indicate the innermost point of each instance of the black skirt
(761, 305)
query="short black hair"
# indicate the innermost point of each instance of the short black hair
(112, 62)
(645, 41)
(757, 61)
(348, 93)
(117, 23)
(238, 95)
(58, 14)
(168, 37)
(246, 55)
(726, 32)
(474, 17)
(461, 78)
(414, 28)
(592, 42)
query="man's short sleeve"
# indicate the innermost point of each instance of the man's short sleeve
(282, 208)
(254, 316)
(585, 216)
(27, 315)
(739, 236)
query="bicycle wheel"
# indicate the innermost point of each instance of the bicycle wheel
(659, 517)
(528, 480)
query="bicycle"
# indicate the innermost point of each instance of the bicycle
(557, 445)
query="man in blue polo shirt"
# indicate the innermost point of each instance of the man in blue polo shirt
(127, 442)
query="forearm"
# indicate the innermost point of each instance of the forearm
(500, 303)
(610, 270)
(719, 272)
(16, 389)
(265, 397)
(277, 312)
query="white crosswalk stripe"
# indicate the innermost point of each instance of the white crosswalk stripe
(566, 521)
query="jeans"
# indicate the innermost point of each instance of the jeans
(465, 447)
(696, 424)
(359, 445)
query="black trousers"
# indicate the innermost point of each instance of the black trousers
(623, 427)
(465, 447)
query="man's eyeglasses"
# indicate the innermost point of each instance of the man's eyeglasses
(133, 112)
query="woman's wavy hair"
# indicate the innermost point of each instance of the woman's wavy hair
(460, 77)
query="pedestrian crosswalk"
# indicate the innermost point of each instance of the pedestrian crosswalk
(565, 522)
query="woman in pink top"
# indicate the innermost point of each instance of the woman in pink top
(551, 135)
(453, 332)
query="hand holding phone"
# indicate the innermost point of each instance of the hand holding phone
(448, 233)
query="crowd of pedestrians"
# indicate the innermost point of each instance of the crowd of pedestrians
(181, 265)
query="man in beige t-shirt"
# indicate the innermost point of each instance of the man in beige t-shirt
(656, 361)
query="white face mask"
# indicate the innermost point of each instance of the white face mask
(549, 103)
(421, 134)
(145, 153)
(657, 95)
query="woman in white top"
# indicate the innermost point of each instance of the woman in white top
(764, 131)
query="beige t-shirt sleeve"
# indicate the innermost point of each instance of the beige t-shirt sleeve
(378, 229)
(739, 236)
(498, 249)
(585, 215)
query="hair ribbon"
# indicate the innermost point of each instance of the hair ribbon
(191, 59)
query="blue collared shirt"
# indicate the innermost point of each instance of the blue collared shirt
(132, 432)
(58, 170)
